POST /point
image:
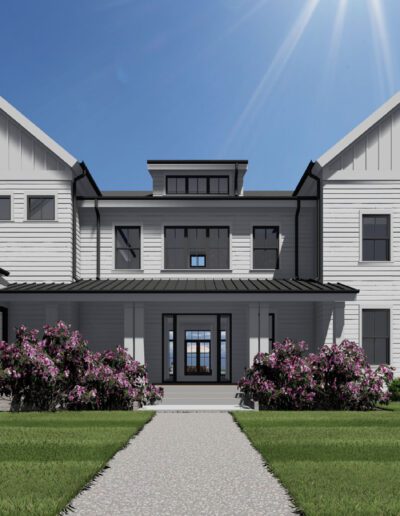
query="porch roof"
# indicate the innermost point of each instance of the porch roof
(176, 286)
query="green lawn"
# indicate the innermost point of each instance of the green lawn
(336, 463)
(46, 458)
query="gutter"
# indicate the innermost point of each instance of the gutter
(96, 208)
(236, 179)
(319, 225)
(74, 206)
(296, 241)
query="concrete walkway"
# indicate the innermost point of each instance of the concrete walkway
(186, 464)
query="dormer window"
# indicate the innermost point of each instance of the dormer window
(197, 185)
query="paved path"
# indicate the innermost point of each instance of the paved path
(186, 464)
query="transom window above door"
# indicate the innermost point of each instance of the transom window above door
(127, 247)
(376, 238)
(196, 247)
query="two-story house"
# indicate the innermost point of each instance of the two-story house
(199, 274)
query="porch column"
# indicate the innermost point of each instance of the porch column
(264, 327)
(51, 313)
(139, 332)
(253, 331)
(128, 327)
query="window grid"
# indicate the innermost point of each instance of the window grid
(197, 352)
(376, 237)
(127, 247)
(376, 335)
(198, 185)
(265, 247)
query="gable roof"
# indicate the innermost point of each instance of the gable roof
(358, 131)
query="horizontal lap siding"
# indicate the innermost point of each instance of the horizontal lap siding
(31, 315)
(42, 250)
(294, 321)
(240, 221)
(379, 283)
(102, 324)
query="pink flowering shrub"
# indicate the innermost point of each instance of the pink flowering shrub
(59, 371)
(338, 377)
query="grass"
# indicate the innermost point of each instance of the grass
(332, 463)
(47, 458)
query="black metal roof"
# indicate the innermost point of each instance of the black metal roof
(209, 285)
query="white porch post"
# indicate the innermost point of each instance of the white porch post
(264, 327)
(253, 331)
(51, 313)
(128, 328)
(139, 332)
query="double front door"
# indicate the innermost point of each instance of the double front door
(196, 348)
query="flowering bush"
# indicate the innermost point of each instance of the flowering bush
(60, 371)
(338, 377)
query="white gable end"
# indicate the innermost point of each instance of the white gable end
(371, 150)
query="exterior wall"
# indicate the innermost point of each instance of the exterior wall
(240, 220)
(33, 250)
(343, 204)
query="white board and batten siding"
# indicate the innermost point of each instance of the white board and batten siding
(34, 250)
(240, 222)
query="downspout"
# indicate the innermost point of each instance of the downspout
(318, 180)
(74, 204)
(296, 248)
(96, 208)
(236, 179)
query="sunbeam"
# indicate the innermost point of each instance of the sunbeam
(337, 33)
(382, 47)
(274, 70)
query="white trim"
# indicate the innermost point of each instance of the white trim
(41, 136)
(8, 193)
(50, 193)
(378, 306)
(358, 131)
(388, 213)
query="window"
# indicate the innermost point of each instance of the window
(375, 238)
(266, 247)
(41, 208)
(127, 247)
(197, 352)
(271, 330)
(5, 207)
(376, 335)
(196, 247)
(197, 260)
(198, 185)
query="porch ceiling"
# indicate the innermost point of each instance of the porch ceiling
(177, 286)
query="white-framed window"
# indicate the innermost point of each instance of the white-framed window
(376, 236)
(5, 207)
(41, 207)
(376, 334)
(127, 247)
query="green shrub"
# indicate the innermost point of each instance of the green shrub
(394, 389)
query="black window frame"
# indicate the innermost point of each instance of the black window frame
(8, 197)
(386, 239)
(127, 248)
(186, 178)
(28, 206)
(368, 313)
(189, 254)
(271, 334)
(277, 228)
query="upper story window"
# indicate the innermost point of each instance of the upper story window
(5, 207)
(266, 247)
(376, 238)
(198, 185)
(127, 247)
(41, 207)
(196, 247)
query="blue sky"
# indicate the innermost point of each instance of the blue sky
(277, 82)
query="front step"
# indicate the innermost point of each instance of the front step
(204, 395)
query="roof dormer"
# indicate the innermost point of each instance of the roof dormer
(193, 178)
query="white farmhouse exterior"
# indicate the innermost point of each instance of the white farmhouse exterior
(198, 275)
